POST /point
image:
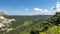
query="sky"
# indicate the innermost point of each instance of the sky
(27, 7)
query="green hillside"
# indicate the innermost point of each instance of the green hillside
(25, 22)
(48, 26)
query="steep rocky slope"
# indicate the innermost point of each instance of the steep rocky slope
(5, 24)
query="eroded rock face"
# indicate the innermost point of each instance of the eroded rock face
(5, 24)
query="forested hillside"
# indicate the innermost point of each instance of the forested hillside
(48, 26)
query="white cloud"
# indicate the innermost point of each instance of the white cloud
(58, 7)
(26, 9)
(55, 8)
(52, 10)
(37, 9)
(42, 12)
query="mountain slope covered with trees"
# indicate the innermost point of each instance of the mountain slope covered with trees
(48, 26)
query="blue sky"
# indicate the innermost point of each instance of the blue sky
(25, 7)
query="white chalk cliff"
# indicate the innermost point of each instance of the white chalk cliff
(5, 24)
